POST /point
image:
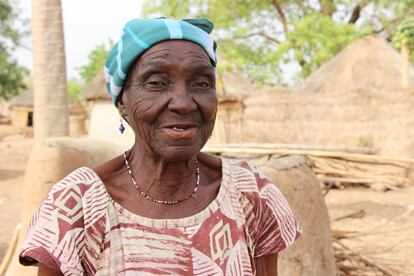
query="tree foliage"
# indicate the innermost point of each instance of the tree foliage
(404, 31)
(75, 89)
(264, 37)
(11, 73)
(96, 62)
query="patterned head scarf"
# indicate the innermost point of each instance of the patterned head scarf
(139, 35)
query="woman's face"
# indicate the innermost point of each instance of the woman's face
(170, 99)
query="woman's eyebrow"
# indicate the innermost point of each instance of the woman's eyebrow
(152, 67)
(202, 67)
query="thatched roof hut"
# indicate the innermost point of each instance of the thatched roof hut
(21, 112)
(352, 100)
(368, 62)
(104, 118)
(232, 89)
(96, 90)
(25, 99)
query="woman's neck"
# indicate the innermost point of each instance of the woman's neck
(160, 178)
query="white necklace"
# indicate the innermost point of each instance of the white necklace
(142, 193)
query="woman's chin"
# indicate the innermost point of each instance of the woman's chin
(178, 153)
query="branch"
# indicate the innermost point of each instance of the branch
(356, 12)
(327, 7)
(262, 34)
(387, 25)
(303, 6)
(281, 14)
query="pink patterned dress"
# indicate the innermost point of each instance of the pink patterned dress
(80, 230)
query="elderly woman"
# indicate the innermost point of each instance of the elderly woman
(163, 207)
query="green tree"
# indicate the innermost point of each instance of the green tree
(96, 62)
(262, 37)
(11, 73)
(75, 89)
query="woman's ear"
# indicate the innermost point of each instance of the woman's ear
(120, 104)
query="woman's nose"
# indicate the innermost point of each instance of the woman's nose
(181, 101)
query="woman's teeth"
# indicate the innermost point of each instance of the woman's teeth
(178, 129)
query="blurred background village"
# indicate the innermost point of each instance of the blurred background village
(327, 85)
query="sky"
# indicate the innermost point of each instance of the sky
(87, 23)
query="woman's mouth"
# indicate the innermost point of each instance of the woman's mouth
(180, 131)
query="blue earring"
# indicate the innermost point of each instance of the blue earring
(121, 127)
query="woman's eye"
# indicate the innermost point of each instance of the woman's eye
(202, 84)
(155, 83)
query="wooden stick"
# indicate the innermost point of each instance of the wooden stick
(348, 156)
(357, 180)
(358, 214)
(361, 150)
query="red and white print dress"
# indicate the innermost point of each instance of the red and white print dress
(80, 230)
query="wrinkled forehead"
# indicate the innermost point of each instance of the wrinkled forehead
(175, 52)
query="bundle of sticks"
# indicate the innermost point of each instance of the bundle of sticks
(336, 166)
(364, 170)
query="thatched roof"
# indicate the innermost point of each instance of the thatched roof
(24, 99)
(233, 84)
(96, 90)
(77, 108)
(368, 62)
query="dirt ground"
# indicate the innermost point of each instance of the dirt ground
(14, 152)
(376, 225)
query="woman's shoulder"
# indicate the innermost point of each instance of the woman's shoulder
(79, 189)
(80, 179)
(56, 232)
(245, 176)
(81, 195)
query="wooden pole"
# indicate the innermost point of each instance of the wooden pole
(242, 149)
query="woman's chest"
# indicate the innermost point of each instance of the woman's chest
(217, 245)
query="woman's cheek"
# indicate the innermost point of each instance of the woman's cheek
(148, 108)
(209, 108)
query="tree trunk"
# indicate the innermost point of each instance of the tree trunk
(51, 114)
(49, 70)
(405, 64)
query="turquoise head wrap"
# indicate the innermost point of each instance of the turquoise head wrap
(139, 35)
